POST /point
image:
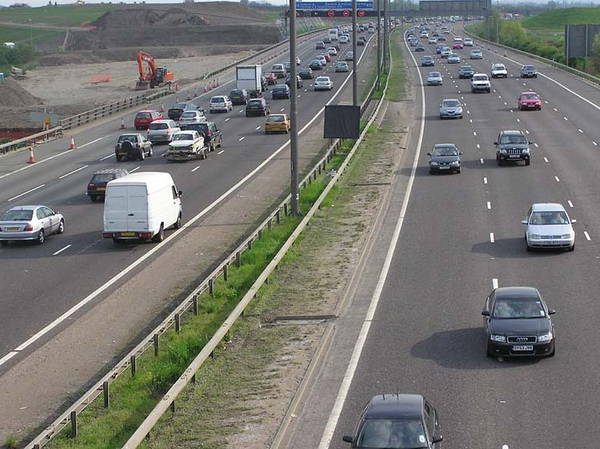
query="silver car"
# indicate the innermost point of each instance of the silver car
(434, 79)
(30, 223)
(548, 226)
(476, 54)
(451, 108)
(323, 83)
(163, 130)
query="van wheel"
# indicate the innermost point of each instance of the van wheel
(116, 241)
(93, 198)
(177, 224)
(160, 236)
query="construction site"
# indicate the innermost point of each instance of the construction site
(96, 62)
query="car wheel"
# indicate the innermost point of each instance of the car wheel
(489, 353)
(572, 248)
(160, 236)
(93, 198)
(41, 238)
(527, 162)
(458, 171)
(142, 155)
(529, 248)
(177, 224)
(150, 151)
(119, 158)
(116, 241)
(203, 155)
(500, 161)
(61, 227)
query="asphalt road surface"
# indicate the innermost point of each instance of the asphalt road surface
(461, 236)
(40, 283)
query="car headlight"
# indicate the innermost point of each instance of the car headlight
(498, 338)
(503, 151)
(545, 338)
(434, 163)
(455, 163)
(535, 236)
(565, 236)
(525, 150)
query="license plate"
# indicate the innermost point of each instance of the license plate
(11, 229)
(127, 234)
(101, 189)
(444, 167)
(515, 156)
(522, 348)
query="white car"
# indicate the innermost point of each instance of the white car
(323, 83)
(332, 51)
(30, 223)
(548, 226)
(480, 83)
(499, 71)
(185, 146)
(344, 39)
(298, 61)
(432, 40)
(434, 79)
(468, 42)
(163, 130)
(192, 117)
(219, 103)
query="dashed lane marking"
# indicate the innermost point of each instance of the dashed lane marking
(570, 203)
(241, 138)
(495, 283)
(221, 152)
(489, 205)
(195, 168)
(587, 236)
(106, 157)
(136, 168)
(481, 160)
(485, 180)
(73, 171)
(26, 192)
(61, 250)
(492, 239)
(556, 178)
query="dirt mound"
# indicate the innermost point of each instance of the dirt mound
(146, 17)
(13, 95)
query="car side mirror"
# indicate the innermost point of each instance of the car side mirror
(530, 142)
(573, 221)
(524, 222)
(437, 439)
(551, 312)
(485, 312)
(460, 152)
(428, 154)
(180, 193)
(495, 143)
(348, 439)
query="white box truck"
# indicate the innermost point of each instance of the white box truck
(249, 77)
(333, 34)
(140, 206)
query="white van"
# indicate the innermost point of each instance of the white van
(140, 206)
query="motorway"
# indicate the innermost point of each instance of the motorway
(41, 283)
(461, 236)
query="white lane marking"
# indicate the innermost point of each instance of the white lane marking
(556, 179)
(282, 109)
(536, 145)
(478, 146)
(221, 152)
(106, 157)
(499, 96)
(131, 171)
(505, 103)
(470, 120)
(555, 110)
(580, 130)
(468, 112)
(564, 117)
(25, 193)
(199, 215)
(505, 446)
(227, 119)
(492, 239)
(92, 142)
(587, 236)
(7, 357)
(481, 160)
(489, 205)
(526, 131)
(485, 179)
(570, 203)
(546, 159)
(474, 133)
(518, 120)
(495, 283)
(546, 101)
(462, 98)
(241, 138)
(258, 127)
(241, 111)
(36, 164)
(73, 171)
(364, 331)
(61, 250)
(195, 168)
(595, 143)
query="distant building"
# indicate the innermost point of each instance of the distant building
(244, 2)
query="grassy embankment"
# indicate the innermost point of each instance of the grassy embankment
(133, 397)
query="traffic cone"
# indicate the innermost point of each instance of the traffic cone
(72, 144)
(31, 159)
(122, 123)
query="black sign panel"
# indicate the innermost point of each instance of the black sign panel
(342, 121)
(579, 40)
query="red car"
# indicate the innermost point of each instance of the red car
(327, 57)
(458, 46)
(144, 118)
(271, 79)
(530, 100)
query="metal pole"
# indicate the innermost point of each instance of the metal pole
(385, 35)
(293, 114)
(354, 58)
(378, 44)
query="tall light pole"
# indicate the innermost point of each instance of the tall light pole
(295, 200)
(354, 58)
(378, 44)
(385, 34)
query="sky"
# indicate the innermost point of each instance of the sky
(64, 2)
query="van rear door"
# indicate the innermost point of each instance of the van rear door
(125, 209)
(137, 208)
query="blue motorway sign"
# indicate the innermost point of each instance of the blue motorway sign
(326, 5)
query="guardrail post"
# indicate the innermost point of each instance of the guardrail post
(250, 244)
(270, 224)
(211, 287)
(177, 323)
(194, 379)
(238, 259)
(315, 175)
(173, 406)
(259, 234)
(225, 272)
(105, 391)
(73, 424)
(277, 216)
(285, 209)
(132, 362)
(155, 342)
(195, 305)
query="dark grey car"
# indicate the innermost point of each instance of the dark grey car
(451, 108)
(512, 146)
(528, 71)
(444, 157)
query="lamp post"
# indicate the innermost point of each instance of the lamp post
(354, 58)
(293, 115)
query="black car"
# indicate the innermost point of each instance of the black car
(238, 96)
(444, 157)
(315, 65)
(466, 71)
(320, 45)
(420, 48)
(280, 91)
(288, 80)
(306, 73)
(97, 185)
(397, 421)
(257, 106)
(213, 137)
(360, 42)
(528, 71)
(177, 109)
(517, 322)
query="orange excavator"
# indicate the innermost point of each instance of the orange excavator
(151, 76)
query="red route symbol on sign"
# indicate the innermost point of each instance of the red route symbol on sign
(361, 13)
(346, 13)
(331, 13)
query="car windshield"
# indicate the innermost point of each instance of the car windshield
(480, 78)
(281, 87)
(434, 75)
(179, 106)
(183, 136)
(530, 97)
(467, 68)
(392, 434)
(514, 139)
(276, 118)
(102, 178)
(158, 126)
(234, 93)
(217, 100)
(450, 103)
(528, 67)
(445, 151)
(507, 308)
(322, 79)
(254, 103)
(499, 67)
(549, 218)
(476, 52)
(17, 215)
(143, 115)
(189, 114)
